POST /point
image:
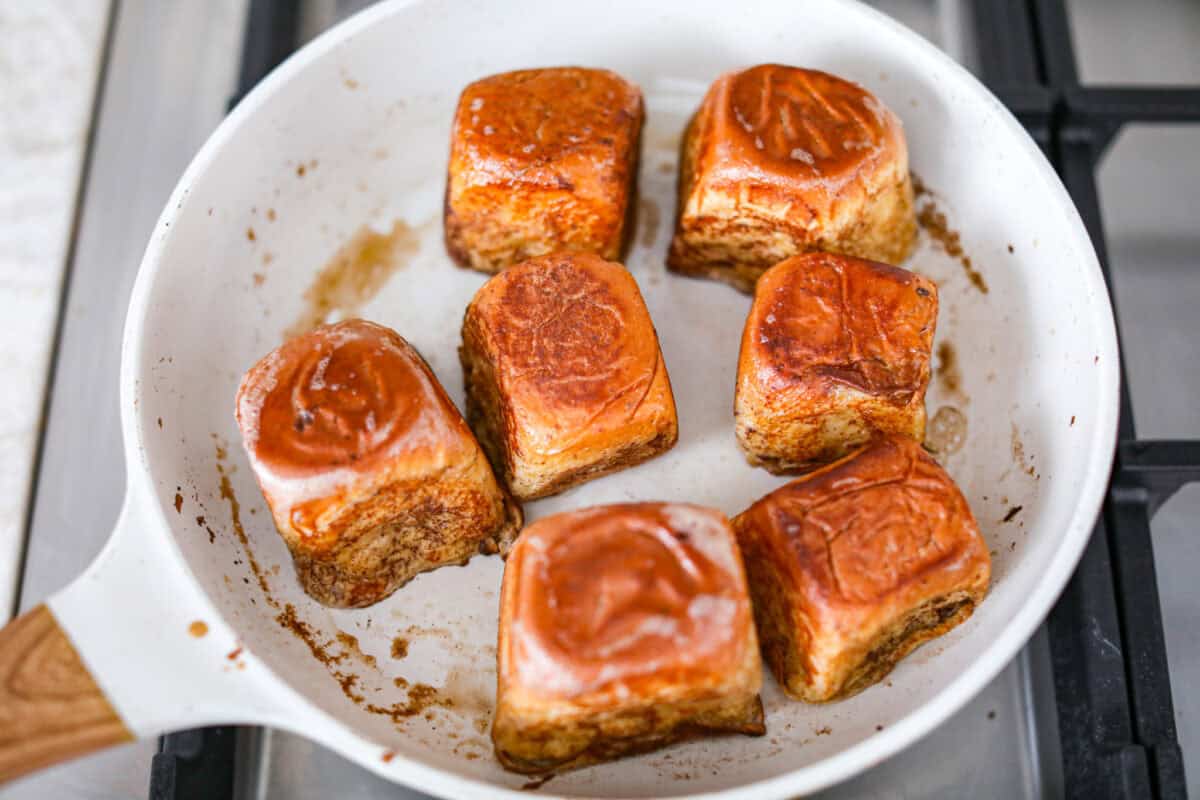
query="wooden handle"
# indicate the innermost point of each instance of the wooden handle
(50, 708)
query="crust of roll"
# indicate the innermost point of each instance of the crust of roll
(854, 566)
(391, 533)
(540, 728)
(564, 376)
(361, 524)
(541, 160)
(835, 350)
(780, 161)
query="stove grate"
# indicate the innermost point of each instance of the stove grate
(1112, 686)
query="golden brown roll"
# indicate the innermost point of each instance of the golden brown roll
(835, 350)
(541, 160)
(853, 566)
(370, 472)
(564, 377)
(780, 161)
(622, 628)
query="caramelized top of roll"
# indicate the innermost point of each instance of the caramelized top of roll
(799, 127)
(610, 596)
(573, 342)
(340, 401)
(552, 127)
(883, 520)
(833, 319)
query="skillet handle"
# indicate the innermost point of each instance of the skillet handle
(132, 648)
(51, 709)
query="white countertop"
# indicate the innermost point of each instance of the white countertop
(168, 76)
(50, 56)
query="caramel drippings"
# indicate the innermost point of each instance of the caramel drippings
(350, 645)
(419, 697)
(933, 222)
(1023, 461)
(357, 271)
(348, 681)
(948, 374)
(235, 514)
(649, 222)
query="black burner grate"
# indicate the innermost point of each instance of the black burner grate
(1115, 713)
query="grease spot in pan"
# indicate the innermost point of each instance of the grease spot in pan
(350, 646)
(1023, 460)
(235, 517)
(357, 271)
(202, 522)
(648, 222)
(948, 373)
(934, 222)
(946, 432)
(467, 689)
(421, 697)
(321, 651)
(461, 694)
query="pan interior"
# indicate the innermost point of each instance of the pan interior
(356, 138)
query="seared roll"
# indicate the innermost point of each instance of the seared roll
(853, 566)
(564, 376)
(835, 350)
(370, 472)
(541, 160)
(622, 629)
(780, 161)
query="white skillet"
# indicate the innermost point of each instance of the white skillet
(365, 110)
